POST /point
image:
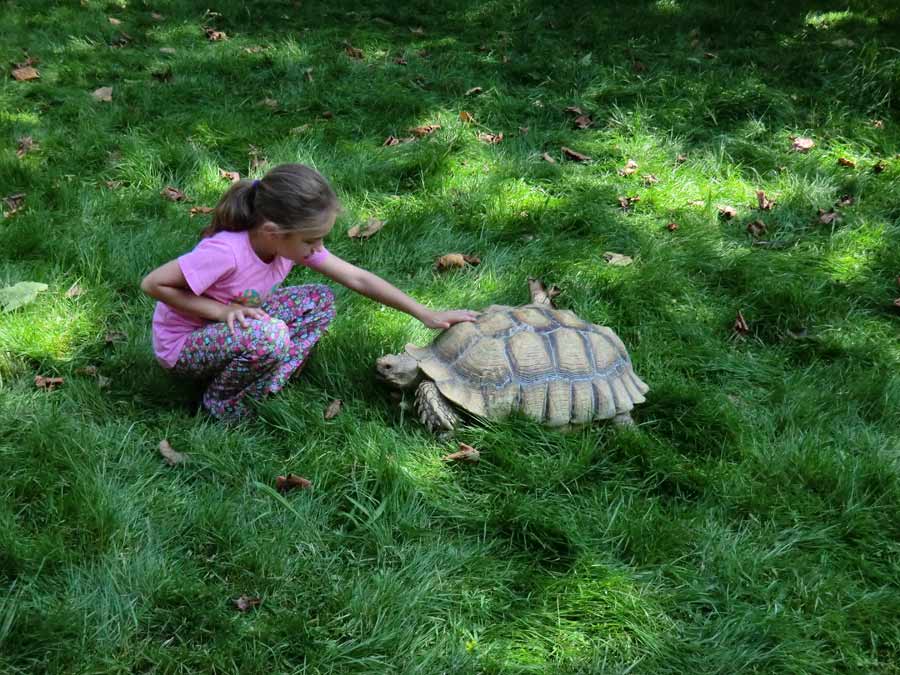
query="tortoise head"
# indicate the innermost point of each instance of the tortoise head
(399, 371)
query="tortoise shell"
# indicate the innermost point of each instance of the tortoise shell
(543, 362)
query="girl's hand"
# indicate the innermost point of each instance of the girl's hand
(448, 318)
(241, 313)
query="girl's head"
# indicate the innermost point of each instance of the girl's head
(293, 205)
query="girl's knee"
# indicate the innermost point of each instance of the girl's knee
(268, 340)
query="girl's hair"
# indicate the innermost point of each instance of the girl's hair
(293, 196)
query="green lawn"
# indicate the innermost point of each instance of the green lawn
(750, 523)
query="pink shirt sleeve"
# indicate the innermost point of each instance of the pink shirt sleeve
(316, 258)
(211, 260)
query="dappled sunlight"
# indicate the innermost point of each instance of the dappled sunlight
(52, 328)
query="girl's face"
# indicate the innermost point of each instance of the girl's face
(299, 245)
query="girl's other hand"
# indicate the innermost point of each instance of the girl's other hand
(230, 313)
(448, 318)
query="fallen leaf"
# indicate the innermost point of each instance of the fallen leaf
(418, 30)
(845, 200)
(763, 201)
(157, 16)
(617, 259)
(256, 49)
(756, 228)
(354, 52)
(170, 455)
(583, 121)
(897, 303)
(540, 294)
(168, 50)
(878, 124)
(246, 603)
(215, 35)
(575, 156)
(801, 144)
(201, 210)
(122, 40)
(233, 176)
(291, 482)
(627, 202)
(466, 453)
(393, 140)
(25, 145)
(547, 158)
(671, 227)
(740, 325)
(115, 336)
(630, 167)
(103, 94)
(523, 130)
(697, 202)
(103, 382)
(649, 179)
(25, 73)
(333, 409)
(90, 371)
(303, 128)
(173, 194)
(14, 202)
(47, 383)
(680, 159)
(727, 212)
(372, 226)
(424, 130)
(74, 291)
(114, 21)
(828, 217)
(490, 139)
(466, 116)
(308, 74)
(879, 167)
(113, 184)
(455, 261)
(270, 103)
(575, 110)
(849, 163)
(474, 91)
(710, 55)
(19, 295)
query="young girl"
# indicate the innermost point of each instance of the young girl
(222, 314)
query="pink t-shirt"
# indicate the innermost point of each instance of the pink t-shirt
(223, 267)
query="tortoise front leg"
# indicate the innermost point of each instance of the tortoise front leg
(435, 411)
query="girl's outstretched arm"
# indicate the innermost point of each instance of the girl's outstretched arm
(374, 287)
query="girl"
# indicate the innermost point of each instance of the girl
(221, 313)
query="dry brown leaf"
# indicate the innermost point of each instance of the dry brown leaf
(354, 52)
(114, 336)
(157, 16)
(466, 116)
(114, 21)
(878, 124)
(25, 145)
(170, 455)
(627, 202)
(256, 49)
(680, 159)
(630, 167)
(372, 226)
(393, 140)
(246, 603)
(215, 35)
(849, 163)
(173, 194)
(845, 200)
(697, 202)
(47, 383)
(583, 121)
(617, 259)
(168, 50)
(575, 110)
(424, 130)
(233, 176)
(400, 61)
(542, 295)
(490, 139)
(575, 156)
(474, 91)
(103, 94)
(466, 453)
(123, 39)
(455, 261)
(879, 167)
(802, 144)
(14, 202)
(764, 203)
(25, 73)
(727, 212)
(333, 409)
(828, 217)
(710, 55)
(671, 227)
(547, 158)
(649, 179)
(201, 210)
(756, 228)
(740, 325)
(270, 103)
(74, 291)
(291, 482)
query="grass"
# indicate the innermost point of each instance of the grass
(749, 523)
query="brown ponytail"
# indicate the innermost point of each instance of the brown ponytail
(293, 196)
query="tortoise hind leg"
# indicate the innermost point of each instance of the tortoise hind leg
(435, 411)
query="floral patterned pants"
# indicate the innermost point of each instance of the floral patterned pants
(259, 359)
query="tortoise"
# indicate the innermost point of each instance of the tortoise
(543, 362)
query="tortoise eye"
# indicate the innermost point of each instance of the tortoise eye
(387, 366)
